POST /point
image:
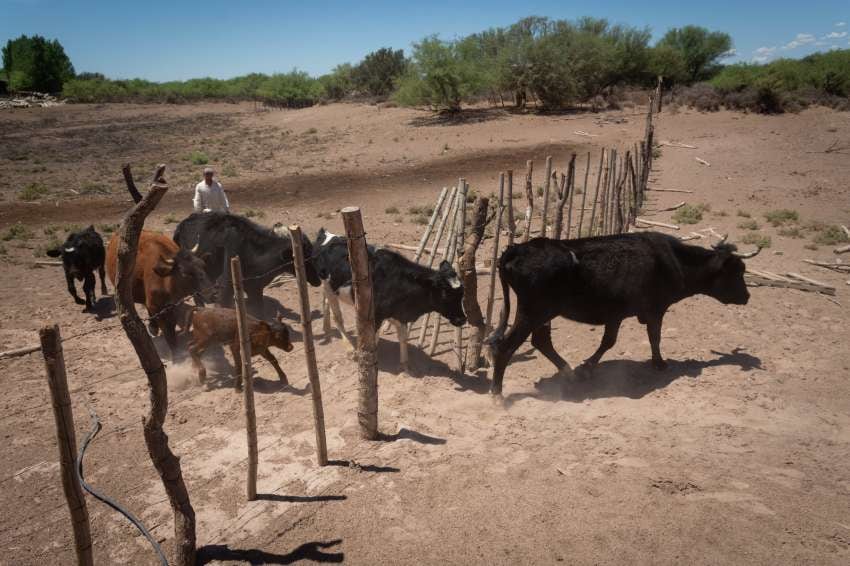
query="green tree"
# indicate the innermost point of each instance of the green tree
(377, 72)
(700, 49)
(668, 62)
(34, 63)
(338, 83)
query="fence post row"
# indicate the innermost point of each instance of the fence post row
(66, 441)
(309, 347)
(367, 359)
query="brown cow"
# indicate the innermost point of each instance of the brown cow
(164, 274)
(216, 325)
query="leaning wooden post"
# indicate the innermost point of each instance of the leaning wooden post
(447, 213)
(470, 284)
(545, 209)
(367, 339)
(500, 207)
(309, 347)
(510, 205)
(451, 250)
(529, 195)
(571, 189)
(461, 237)
(66, 440)
(246, 375)
(428, 229)
(166, 463)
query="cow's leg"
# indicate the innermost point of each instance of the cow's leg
(609, 338)
(102, 273)
(72, 288)
(401, 329)
(88, 289)
(167, 323)
(505, 348)
(541, 338)
(337, 314)
(195, 351)
(273, 361)
(326, 312)
(237, 362)
(653, 330)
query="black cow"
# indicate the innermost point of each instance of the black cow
(604, 280)
(82, 254)
(402, 290)
(263, 253)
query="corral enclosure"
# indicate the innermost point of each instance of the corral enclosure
(737, 452)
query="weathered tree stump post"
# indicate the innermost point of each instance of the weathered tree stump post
(470, 285)
(563, 194)
(166, 463)
(593, 231)
(583, 197)
(309, 347)
(367, 339)
(66, 441)
(246, 376)
(500, 207)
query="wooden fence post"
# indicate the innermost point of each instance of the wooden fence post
(66, 440)
(592, 226)
(367, 339)
(571, 183)
(461, 237)
(449, 256)
(500, 207)
(470, 284)
(563, 194)
(428, 229)
(583, 197)
(510, 205)
(545, 209)
(245, 370)
(166, 463)
(309, 347)
(529, 195)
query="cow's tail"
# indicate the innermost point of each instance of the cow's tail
(499, 332)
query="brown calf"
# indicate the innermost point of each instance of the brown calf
(215, 325)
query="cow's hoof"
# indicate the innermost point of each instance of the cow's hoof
(660, 365)
(79, 301)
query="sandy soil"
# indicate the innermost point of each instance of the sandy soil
(738, 453)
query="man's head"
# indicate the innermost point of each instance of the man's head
(208, 175)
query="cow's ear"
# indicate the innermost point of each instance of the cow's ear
(55, 252)
(163, 268)
(91, 228)
(445, 267)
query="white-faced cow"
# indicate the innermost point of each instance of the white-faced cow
(604, 280)
(263, 253)
(402, 290)
(82, 254)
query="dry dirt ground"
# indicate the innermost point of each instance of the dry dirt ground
(738, 453)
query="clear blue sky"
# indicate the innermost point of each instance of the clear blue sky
(160, 40)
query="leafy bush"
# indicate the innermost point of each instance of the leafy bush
(377, 72)
(391, 210)
(689, 214)
(782, 216)
(17, 232)
(198, 158)
(34, 63)
(33, 191)
(756, 239)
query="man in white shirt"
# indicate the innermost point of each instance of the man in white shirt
(209, 196)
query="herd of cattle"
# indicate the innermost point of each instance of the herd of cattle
(599, 280)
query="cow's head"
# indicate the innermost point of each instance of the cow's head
(726, 274)
(448, 294)
(279, 334)
(75, 264)
(188, 270)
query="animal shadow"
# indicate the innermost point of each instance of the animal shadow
(314, 551)
(104, 308)
(421, 364)
(407, 434)
(300, 498)
(363, 467)
(630, 378)
(272, 308)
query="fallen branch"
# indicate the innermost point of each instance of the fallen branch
(846, 230)
(406, 248)
(583, 133)
(767, 279)
(703, 161)
(674, 207)
(47, 262)
(658, 224)
(669, 190)
(677, 144)
(841, 250)
(691, 237)
(18, 352)
(839, 267)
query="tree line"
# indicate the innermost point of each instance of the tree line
(555, 63)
